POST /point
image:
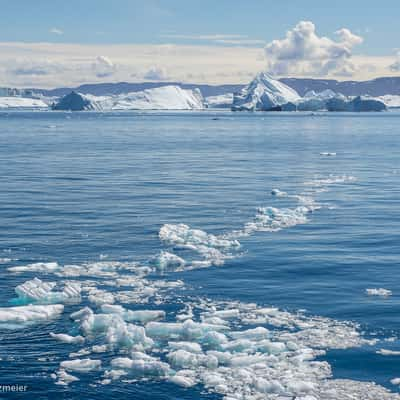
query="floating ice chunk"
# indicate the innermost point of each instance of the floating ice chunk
(327, 154)
(278, 193)
(166, 260)
(64, 378)
(185, 359)
(142, 316)
(395, 381)
(36, 290)
(182, 235)
(378, 292)
(191, 347)
(185, 330)
(118, 333)
(22, 316)
(386, 352)
(99, 297)
(81, 365)
(182, 380)
(148, 366)
(62, 337)
(225, 314)
(268, 386)
(81, 314)
(258, 333)
(37, 267)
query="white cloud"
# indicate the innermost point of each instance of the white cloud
(56, 31)
(156, 74)
(61, 64)
(103, 67)
(395, 67)
(303, 52)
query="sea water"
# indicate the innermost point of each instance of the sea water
(264, 229)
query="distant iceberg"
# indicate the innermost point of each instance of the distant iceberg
(358, 104)
(15, 102)
(390, 100)
(264, 93)
(161, 98)
(220, 101)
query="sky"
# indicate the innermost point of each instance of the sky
(52, 43)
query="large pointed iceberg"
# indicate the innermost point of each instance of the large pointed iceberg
(161, 98)
(264, 93)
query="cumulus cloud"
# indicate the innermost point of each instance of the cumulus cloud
(156, 74)
(103, 67)
(303, 52)
(395, 67)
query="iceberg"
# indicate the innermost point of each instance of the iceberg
(390, 100)
(161, 98)
(22, 102)
(358, 104)
(220, 101)
(264, 93)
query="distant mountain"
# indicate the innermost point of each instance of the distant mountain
(375, 87)
(103, 89)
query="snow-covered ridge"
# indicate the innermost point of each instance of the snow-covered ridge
(161, 98)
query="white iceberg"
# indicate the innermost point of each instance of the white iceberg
(219, 101)
(390, 100)
(358, 104)
(22, 103)
(264, 93)
(161, 98)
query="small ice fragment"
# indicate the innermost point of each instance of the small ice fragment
(62, 337)
(378, 292)
(327, 154)
(64, 378)
(386, 352)
(278, 193)
(81, 365)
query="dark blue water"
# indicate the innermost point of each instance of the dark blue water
(77, 187)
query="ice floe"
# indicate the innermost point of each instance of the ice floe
(38, 291)
(23, 316)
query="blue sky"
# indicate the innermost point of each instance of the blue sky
(231, 25)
